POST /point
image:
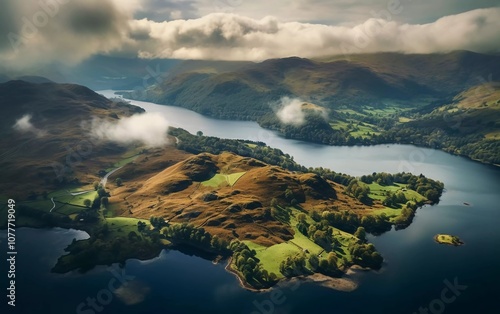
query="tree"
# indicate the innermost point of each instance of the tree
(141, 226)
(87, 202)
(301, 217)
(119, 182)
(199, 133)
(360, 234)
(102, 192)
(104, 201)
(314, 261)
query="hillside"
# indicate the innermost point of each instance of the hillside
(433, 100)
(51, 132)
(375, 79)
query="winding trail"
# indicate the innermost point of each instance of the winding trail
(104, 180)
(53, 206)
(78, 193)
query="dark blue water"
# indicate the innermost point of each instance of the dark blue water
(417, 271)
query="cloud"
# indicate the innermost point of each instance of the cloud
(65, 31)
(24, 125)
(46, 32)
(149, 129)
(290, 111)
(234, 37)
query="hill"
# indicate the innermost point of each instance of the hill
(406, 80)
(42, 127)
(364, 99)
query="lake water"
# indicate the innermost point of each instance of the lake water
(414, 274)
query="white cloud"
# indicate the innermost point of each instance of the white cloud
(24, 125)
(290, 111)
(149, 129)
(79, 29)
(234, 37)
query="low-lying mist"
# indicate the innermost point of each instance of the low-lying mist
(149, 129)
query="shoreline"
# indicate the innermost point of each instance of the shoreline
(340, 284)
(242, 283)
(306, 141)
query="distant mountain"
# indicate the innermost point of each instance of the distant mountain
(370, 79)
(34, 79)
(102, 72)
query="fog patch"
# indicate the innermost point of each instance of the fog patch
(149, 129)
(24, 125)
(290, 111)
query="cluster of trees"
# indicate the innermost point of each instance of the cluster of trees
(101, 199)
(294, 266)
(430, 189)
(328, 266)
(249, 265)
(365, 255)
(278, 212)
(322, 234)
(349, 221)
(258, 150)
(394, 199)
(157, 222)
(188, 234)
(315, 129)
(359, 191)
(273, 156)
(406, 216)
(336, 177)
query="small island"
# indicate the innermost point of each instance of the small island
(448, 239)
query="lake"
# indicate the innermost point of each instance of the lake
(415, 273)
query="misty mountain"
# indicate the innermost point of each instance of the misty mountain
(102, 72)
(353, 81)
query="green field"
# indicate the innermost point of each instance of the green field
(272, 256)
(355, 128)
(378, 192)
(122, 226)
(220, 179)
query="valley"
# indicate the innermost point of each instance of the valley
(366, 99)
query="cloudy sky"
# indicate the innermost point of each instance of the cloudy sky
(69, 31)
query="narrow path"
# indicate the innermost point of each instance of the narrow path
(104, 180)
(53, 206)
(78, 193)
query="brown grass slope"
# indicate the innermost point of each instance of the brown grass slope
(176, 193)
